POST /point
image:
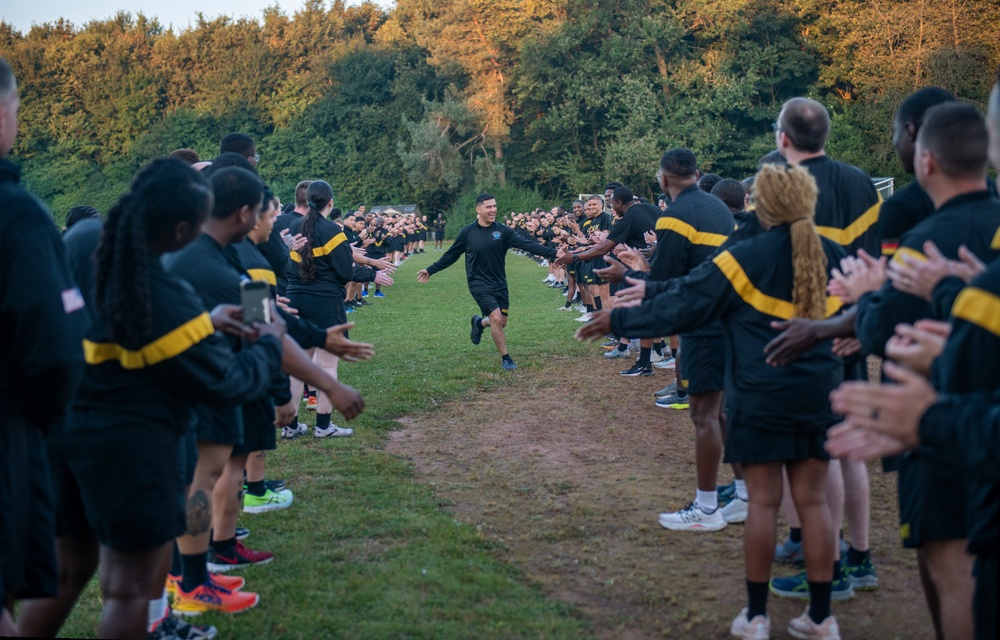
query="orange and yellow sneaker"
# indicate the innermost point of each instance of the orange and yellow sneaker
(210, 597)
(229, 583)
(312, 403)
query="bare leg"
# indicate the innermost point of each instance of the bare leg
(212, 458)
(43, 617)
(328, 363)
(126, 581)
(950, 568)
(706, 412)
(835, 499)
(256, 464)
(764, 489)
(228, 498)
(857, 501)
(497, 322)
(809, 485)
(930, 593)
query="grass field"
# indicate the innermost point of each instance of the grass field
(366, 551)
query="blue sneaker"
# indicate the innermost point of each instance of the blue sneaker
(364, 293)
(789, 552)
(379, 294)
(348, 310)
(508, 364)
(798, 587)
(861, 576)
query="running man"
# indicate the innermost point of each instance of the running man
(485, 243)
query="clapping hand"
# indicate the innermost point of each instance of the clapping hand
(919, 277)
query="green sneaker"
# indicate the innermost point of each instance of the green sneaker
(798, 587)
(861, 576)
(270, 501)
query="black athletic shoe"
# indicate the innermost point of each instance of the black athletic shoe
(638, 369)
(362, 303)
(477, 329)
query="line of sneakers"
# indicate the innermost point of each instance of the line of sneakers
(292, 432)
(848, 578)
(377, 294)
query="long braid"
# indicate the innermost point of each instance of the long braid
(787, 195)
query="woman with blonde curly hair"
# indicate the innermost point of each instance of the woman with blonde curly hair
(779, 416)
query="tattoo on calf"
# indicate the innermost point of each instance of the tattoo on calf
(198, 514)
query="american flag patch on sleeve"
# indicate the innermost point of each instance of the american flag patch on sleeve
(72, 300)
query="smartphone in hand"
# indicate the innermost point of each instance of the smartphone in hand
(256, 298)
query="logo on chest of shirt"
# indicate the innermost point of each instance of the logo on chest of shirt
(496, 235)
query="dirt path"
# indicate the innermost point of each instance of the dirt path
(572, 489)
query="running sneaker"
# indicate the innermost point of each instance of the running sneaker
(693, 518)
(797, 586)
(364, 294)
(379, 294)
(290, 433)
(242, 533)
(274, 485)
(270, 501)
(637, 370)
(349, 309)
(861, 576)
(667, 364)
(508, 364)
(674, 402)
(610, 343)
(333, 431)
(805, 629)
(757, 629)
(726, 493)
(241, 556)
(564, 308)
(655, 357)
(363, 302)
(312, 403)
(618, 353)
(736, 510)
(209, 597)
(477, 329)
(229, 583)
(667, 391)
(789, 552)
(586, 317)
(175, 628)
(548, 280)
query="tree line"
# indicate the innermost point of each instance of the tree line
(434, 99)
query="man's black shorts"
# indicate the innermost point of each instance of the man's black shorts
(258, 429)
(127, 474)
(984, 604)
(591, 266)
(703, 364)
(931, 501)
(490, 301)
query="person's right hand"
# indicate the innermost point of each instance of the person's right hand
(634, 259)
(919, 277)
(382, 265)
(341, 346)
(797, 335)
(346, 400)
(423, 277)
(228, 318)
(614, 272)
(382, 278)
(631, 296)
(649, 237)
(598, 327)
(276, 329)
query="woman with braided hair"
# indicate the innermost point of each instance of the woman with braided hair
(317, 284)
(120, 462)
(779, 415)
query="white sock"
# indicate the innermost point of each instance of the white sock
(157, 611)
(707, 500)
(741, 489)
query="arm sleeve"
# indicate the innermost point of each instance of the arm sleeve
(451, 255)
(363, 274)
(42, 311)
(524, 244)
(879, 312)
(210, 373)
(687, 304)
(965, 428)
(670, 257)
(944, 295)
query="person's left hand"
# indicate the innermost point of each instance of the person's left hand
(858, 276)
(631, 296)
(614, 272)
(382, 278)
(917, 346)
(228, 318)
(283, 303)
(382, 265)
(598, 327)
(284, 414)
(919, 277)
(634, 259)
(846, 347)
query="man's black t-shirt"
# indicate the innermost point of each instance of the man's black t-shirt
(485, 250)
(630, 228)
(907, 208)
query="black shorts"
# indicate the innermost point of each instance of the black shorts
(323, 311)
(28, 567)
(984, 604)
(221, 425)
(71, 519)
(752, 445)
(258, 429)
(932, 496)
(590, 266)
(127, 473)
(489, 302)
(703, 364)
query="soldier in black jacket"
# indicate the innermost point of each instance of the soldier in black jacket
(485, 243)
(780, 416)
(42, 319)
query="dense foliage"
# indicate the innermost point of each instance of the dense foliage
(436, 98)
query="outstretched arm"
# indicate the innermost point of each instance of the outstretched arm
(449, 258)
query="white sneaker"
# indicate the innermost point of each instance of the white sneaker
(333, 432)
(655, 357)
(579, 308)
(736, 510)
(586, 317)
(548, 280)
(805, 629)
(757, 629)
(293, 432)
(693, 518)
(543, 263)
(666, 363)
(565, 309)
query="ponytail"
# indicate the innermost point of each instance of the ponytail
(318, 195)
(787, 195)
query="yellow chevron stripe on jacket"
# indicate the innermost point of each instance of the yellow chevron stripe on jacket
(980, 307)
(756, 298)
(693, 235)
(856, 229)
(326, 249)
(163, 348)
